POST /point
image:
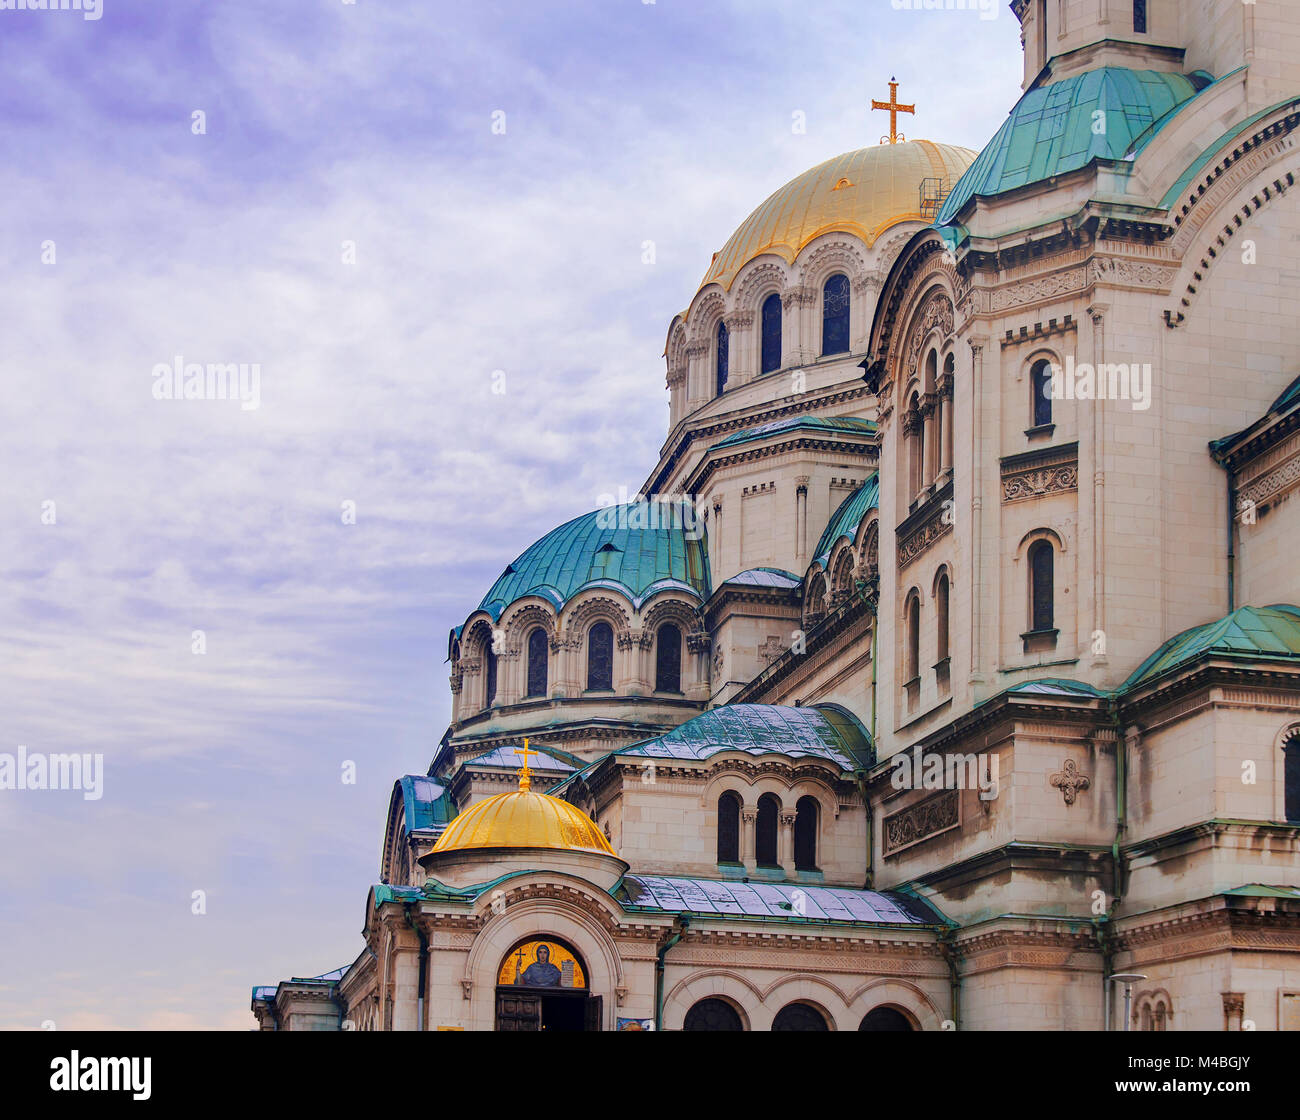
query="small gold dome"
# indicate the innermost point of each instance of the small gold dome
(523, 819)
(862, 192)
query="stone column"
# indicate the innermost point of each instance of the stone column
(697, 355)
(1097, 312)
(801, 521)
(930, 461)
(786, 820)
(741, 365)
(748, 830)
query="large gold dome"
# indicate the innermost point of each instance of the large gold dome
(863, 193)
(523, 819)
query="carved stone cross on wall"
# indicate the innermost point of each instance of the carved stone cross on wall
(1070, 781)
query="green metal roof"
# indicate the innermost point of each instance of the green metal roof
(635, 549)
(851, 424)
(1051, 129)
(1288, 399)
(828, 732)
(1248, 634)
(1260, 890)
(844, 521)
(427, 803)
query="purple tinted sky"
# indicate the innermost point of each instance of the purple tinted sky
(330, 122)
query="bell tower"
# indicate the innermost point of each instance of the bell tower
(1064, 37)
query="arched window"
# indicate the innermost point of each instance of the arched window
(600, 657)
(668, 659)
(765, 851)
(771, 318)
(729, 828)
(713, 1015)
(799, 1017)
(884, 1019)
(949, 413)
(538, 655)
(835, 315)
(1140, 16)
(914, 430)
(805, 834)
(1042, 604)
(1291, 777)
(941, 617)
(722, 359)
(912, 659)
(489, 676)
(1040, 380)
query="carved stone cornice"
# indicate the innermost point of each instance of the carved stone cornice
(921, 821)
(927, 525)
(1053, 470)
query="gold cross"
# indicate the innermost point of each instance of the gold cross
(525, 782)
(894, 108)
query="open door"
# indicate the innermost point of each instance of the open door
(592, 1012)
(519, 1011)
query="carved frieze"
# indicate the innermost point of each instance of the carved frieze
(936, 522)
(1038, 289)
(921, 821)
(1038, 473)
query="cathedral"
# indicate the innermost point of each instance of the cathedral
(945, 673)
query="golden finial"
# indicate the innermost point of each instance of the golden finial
(525, 782)
(893, 108)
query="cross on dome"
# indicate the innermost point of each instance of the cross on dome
(893, 107)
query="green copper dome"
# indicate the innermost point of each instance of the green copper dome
(1054, 129)
(634, 549)
(844, 521)
(1249, 634)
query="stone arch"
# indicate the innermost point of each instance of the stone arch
(816, 598)
(716, 983)
(903, 995)
(828, 254)
(843, 568)
(1286, 740)
(808, 988)
(579, 919)
(759, 279)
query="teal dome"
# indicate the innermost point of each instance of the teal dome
(634, 550)
(1051, 129)
(1248, 634)
(845, 521)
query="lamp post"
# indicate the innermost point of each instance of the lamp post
(1128, 979)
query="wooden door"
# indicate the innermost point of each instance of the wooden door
(592, 1014)
(519, 1011)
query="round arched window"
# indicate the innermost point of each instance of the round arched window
(713, 1015)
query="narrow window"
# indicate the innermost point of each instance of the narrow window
(1041, 593)
(668, 659)
(723, 358)
(805, 835)
(537, 662)
(765, 831)
(835, 315)
(600, 656)
(1040, 378)
(941, 611)
(913, 667)
(729, 828)
(1140, 16)
(1291, 771)
(771, 333)
(490, 671)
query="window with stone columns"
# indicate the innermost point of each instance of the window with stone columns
(946, 392)
(489, 675)
(914, 434)
(932, 415)
(771, 334)
(805, 834)
(1042, 593)
(1291, 776)
(912, 637)
(538, 662)
(729, 828)
(835, 315)
(765, 839)
(668, 658)
(600, 657)
(941, 625)
(722, 358)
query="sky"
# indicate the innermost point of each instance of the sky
(424, 225)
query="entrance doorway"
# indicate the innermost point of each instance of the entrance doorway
(542, 986)
(547, 1011)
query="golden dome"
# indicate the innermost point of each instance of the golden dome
(523, 819)
(863, 193)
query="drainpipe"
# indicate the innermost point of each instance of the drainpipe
(424, 964)
(860, 778)
(1232, 535)
(680, 925)
(948, 943)
(1102, 923)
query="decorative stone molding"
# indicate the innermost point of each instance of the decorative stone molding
(1070, 781)
(1264, 490)
(801, 296)
(739, 320)
(754, 279)
(937, 312)
(1037, 473)
(1118, 272)
(922, 821)
(927, 525)
(1037, 290)
(772, 648)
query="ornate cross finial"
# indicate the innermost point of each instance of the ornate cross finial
(525, 781)
(893, 108)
